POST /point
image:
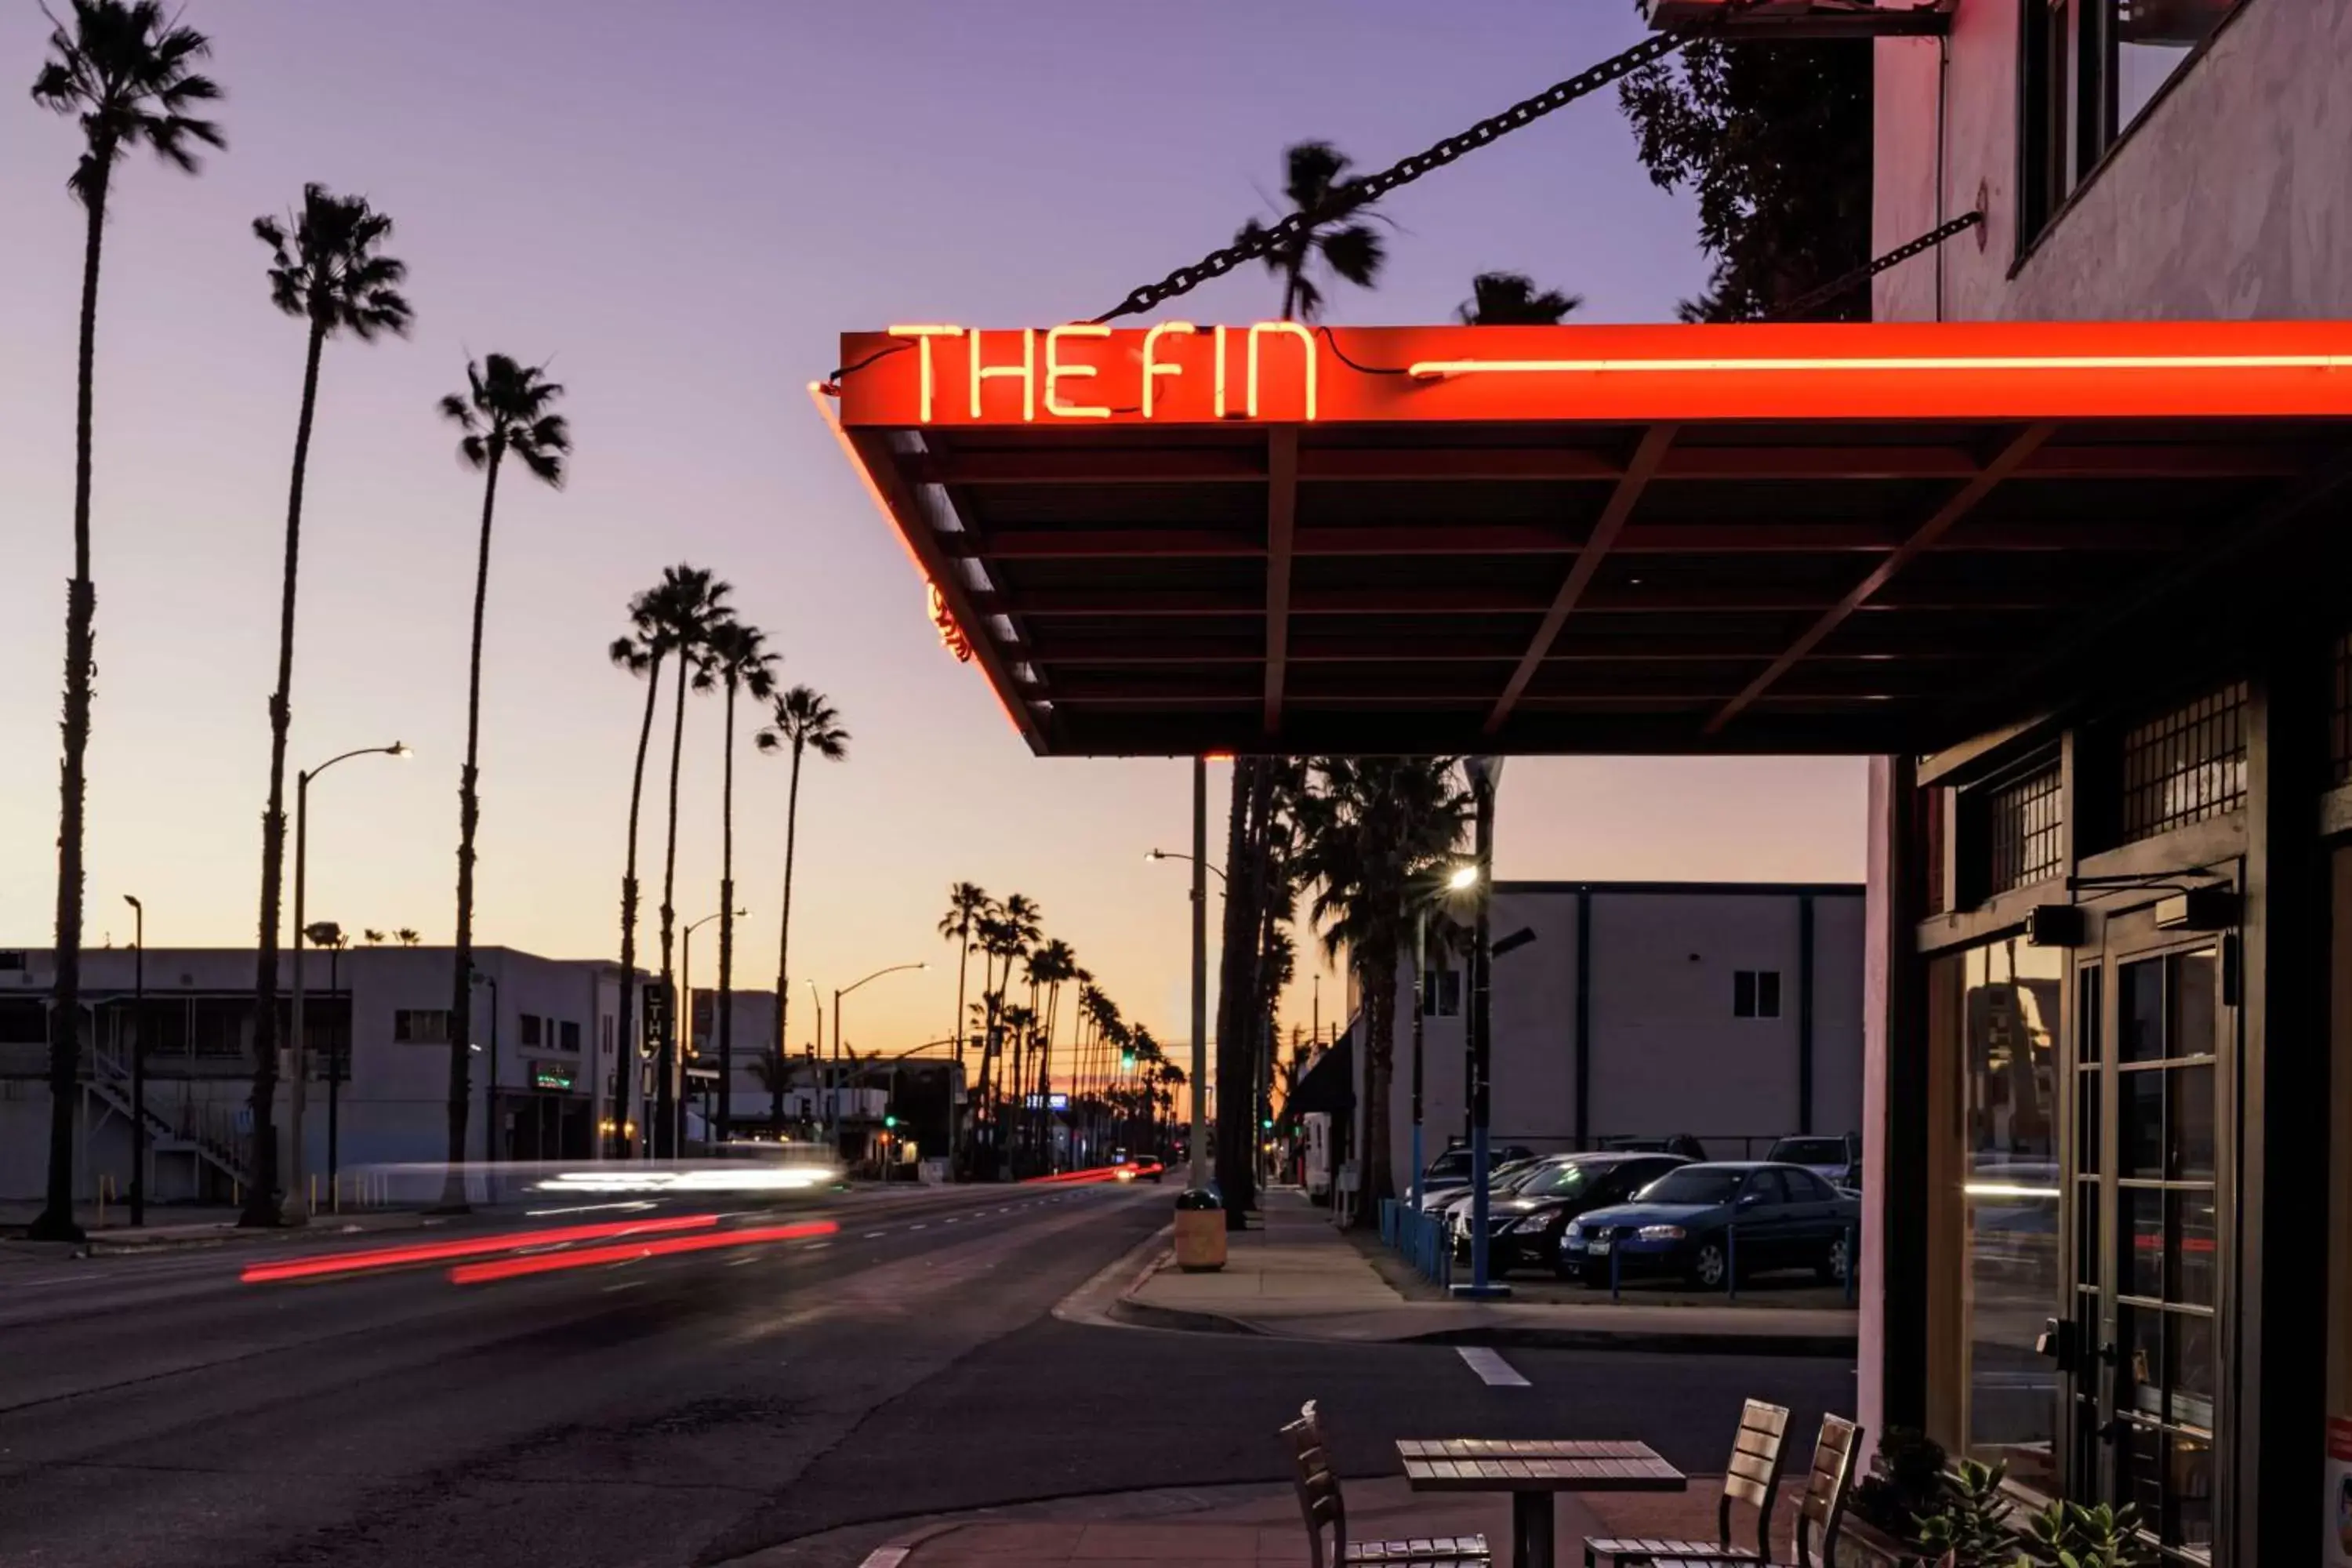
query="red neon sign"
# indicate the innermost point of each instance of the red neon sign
(1086, 376)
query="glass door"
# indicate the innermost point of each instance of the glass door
(2155, 1026)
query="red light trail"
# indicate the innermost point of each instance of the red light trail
(437, 1251)
(629, 1252)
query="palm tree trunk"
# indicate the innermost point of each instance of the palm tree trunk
(56, 1222)
(664, 1127)
(261, 1205)
(784, 936)
(963, 965)
(726, 930)
(1380, 1038)
(625, 1070)
(461, 974)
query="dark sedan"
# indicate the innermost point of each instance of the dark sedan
(1524, 1225)
(1694, 1221)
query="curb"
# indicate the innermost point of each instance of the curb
(1505, 1336)
(1143, 1314)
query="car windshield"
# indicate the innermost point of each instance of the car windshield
(1693, 1186)
(1452, 1162)
(1558, 1181)
(1809, 1151)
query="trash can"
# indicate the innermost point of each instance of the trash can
(1200, 1231)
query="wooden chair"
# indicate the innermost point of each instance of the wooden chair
(1752, 1478)
(1823, 1511)
(1317, 1481)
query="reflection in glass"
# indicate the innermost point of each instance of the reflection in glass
(2139, 1139)
(2154, 38)
(2139, 1026)
(2192, 1370)
(2192, 1248)
(2140, 1232)
(2010, 1010)
(2196, 993)
(2191, 1524)
(2188, 1110)
(2086, 1122)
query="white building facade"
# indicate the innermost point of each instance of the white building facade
(1728, 1011)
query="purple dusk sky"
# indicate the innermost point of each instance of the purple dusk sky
(682, 206)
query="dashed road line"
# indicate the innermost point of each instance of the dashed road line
(872, 1233)
(1491, 1368)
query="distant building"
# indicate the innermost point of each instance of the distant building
(379, 1027)
(1729, 1010)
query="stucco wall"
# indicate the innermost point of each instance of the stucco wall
(2228, 201)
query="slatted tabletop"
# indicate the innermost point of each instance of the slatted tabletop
(1430, 1466)
(1521, 1448)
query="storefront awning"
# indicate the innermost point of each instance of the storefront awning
(1604, 539)
(1329, 1084)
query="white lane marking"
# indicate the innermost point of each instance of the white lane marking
(624, 1285)
(872, 1233)
(919, 1227)
(946, 1222)
(885, 1557)
(1491, 1368)
(739, 1262)
(816, 1246)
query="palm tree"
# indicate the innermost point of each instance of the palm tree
(739, 660)
(1315, 181)
(967, 901)
(1016, 931)
(1051, 966)
(407, 936)
(689, 620)
(642, 653)
(372, 936)
(123, 71)
(506, 407)
(1370, 827)
(806, 721)
(1511, 300)
(329, 271)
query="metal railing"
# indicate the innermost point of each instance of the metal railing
(1421, 1238)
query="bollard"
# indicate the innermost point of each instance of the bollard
(1614, 1258)
(104, 1182)
(1853, 1248)
(1731, 1262)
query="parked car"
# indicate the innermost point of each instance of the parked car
(1787, 1218)
(1452, 1206)
(1451, 1170)
(1682, 1143)
(1524, 1225)
(1831, 1159)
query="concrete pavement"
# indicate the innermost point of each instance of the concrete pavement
(1297, 1277)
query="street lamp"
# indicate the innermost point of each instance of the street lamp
(137, 1063)
(685, 985)
(1464, 878)
(296, 1207)
(490, 1084)
(1172, 855)
(833, 1124)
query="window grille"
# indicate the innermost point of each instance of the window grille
(2026, 822)
(2190, 765)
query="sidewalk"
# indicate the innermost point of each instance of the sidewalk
(180, 1225)
(1298, 1277)
(1241, 1526)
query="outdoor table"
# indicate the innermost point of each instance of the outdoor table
(1532, 1471)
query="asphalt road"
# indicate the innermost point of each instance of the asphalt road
(684, 1410)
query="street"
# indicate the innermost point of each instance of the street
(691, 1409)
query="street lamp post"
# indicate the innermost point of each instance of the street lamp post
(1199, 1176)
(328, 935)
(1484, 773)
(833, 1121)
(138, 1062)
(295, 1206)
(490, 1083)
(1464, 878)
(686, 1038)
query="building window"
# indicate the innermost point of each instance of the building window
(1756, 993)
(530, 1030)
(2090, 68)
(2340, 710)
(604, 1033)
(420, 1025)
(2025, 823)
(567, 1035)
(1441, 993)
(2187, 766)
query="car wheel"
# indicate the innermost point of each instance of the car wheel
(1709, 1265)
(1836, 1261)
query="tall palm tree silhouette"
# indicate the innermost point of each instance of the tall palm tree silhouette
(125, 71)
(805, 721)
(330, 270)
(1512, 299)
(740, 661)
(642, 653)
(507, 409)
(1315, 180)
(967, 903)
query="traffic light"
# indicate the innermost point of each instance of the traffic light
(889, 1120)
(1269, 1124)
(1127, 1061)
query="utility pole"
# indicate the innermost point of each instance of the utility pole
(137, 1063)
(1199, 1144)
(1484, 772)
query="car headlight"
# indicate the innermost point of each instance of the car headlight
(1575, 1231)
(1661, 1233)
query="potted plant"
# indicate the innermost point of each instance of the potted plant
(1882, 1518)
